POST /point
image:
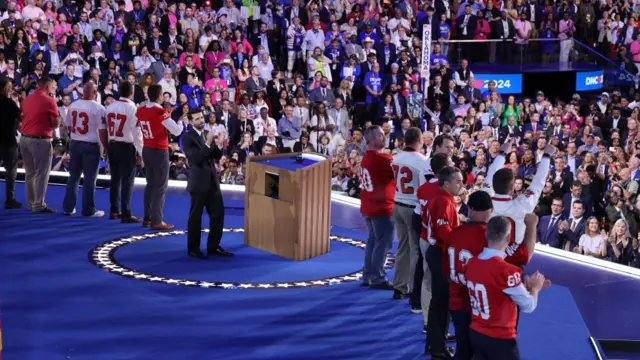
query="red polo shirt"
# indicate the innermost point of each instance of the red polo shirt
(37, 111)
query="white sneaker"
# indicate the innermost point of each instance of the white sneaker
(71, 213)
(97, 214)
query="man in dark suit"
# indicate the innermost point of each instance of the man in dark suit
(156, 44)
(438, 93)
(561, 177)
(576, 195)
(573, 160)
(504, 49)
(239, 56)
(386, 53)
(570, 231)
(204, 187)
(323, 94)
(295, 10)
(99, 41)
(615, 121)
(47, 56)
(8, 142)
(466, 30)
(471, 93)
(511, 130)
(270, 139)
(367, 66)
(548, 225)
(265, 39)
(230, 121)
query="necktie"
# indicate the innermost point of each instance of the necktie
(552, 223)
(324, 93)
(574, 223)
(202, 137)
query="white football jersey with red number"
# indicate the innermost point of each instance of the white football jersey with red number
(122, 123)
(408, 165)
(84, 119)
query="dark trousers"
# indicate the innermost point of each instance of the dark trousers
(416, 226)
(9, 158)
(505, 51)
(156, 165)
(437, 323)
(461, 322)
(122, 165)
(84, 160)
(212, 202)
(488, 348)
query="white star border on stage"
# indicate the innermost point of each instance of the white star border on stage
(103, 256)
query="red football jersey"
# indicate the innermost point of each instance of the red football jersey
(442, 217)
(463, 243)
(425, 192)
(154, 133)
(493, 313)
(517, 254)
(377, 185)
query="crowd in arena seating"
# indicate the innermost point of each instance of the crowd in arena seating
(280, 76)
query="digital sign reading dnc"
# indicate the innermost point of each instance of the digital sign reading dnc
(505, 83)
(590, 80)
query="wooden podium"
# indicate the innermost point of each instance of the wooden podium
(288, 204)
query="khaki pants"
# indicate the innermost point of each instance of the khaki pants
(408, 248)
(36, 154)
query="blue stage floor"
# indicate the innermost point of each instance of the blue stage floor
(56, 304)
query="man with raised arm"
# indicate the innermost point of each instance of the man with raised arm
(499, 183)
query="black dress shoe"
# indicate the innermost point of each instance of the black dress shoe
(220, 252)
(397, 294)
(382, 286)
(197, 254)
(441, 356)
(446, 355)
(13, 204)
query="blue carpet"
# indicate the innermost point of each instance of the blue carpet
(55, 304)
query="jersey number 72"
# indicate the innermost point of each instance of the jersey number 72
(404, 177)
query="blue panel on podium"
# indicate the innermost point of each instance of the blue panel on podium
(291, 163)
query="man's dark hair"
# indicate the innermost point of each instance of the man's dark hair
(412, 136)
(446, 174)
(577, 184)
(125, 89)
(192, 113)
(4, 83)
(438, 162)
(154, 91)
(502, 181)
(439, 140)
(558, 199)
(579, 202)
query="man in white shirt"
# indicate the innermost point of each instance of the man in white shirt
(407, 168)
(125, 150)
(86, 125)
